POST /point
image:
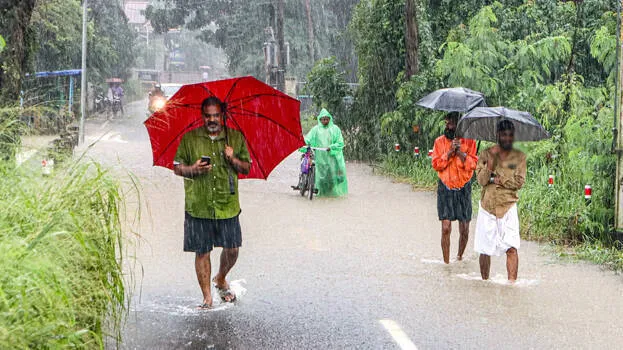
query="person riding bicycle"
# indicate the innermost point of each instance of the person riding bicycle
(330, 165)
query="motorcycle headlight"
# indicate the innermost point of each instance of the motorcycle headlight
(159, 103)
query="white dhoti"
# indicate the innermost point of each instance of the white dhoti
(494, 236)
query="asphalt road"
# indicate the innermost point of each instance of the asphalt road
(359, 272)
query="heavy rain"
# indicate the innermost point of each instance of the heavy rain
(298, 174)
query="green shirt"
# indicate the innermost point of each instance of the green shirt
(208, 196)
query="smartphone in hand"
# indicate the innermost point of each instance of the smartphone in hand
(206, 159)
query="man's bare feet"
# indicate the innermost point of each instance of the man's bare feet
(485, 266)
(207, 304)
(459, 258)
(227, 295)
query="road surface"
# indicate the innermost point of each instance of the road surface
(360, 272)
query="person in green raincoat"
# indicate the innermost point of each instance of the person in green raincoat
(330, 166)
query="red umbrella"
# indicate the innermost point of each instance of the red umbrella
(268, 119)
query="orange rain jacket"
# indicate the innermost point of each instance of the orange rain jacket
(453, 172)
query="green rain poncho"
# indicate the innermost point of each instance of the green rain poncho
(330, 166)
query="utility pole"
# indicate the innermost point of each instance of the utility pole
(310, 32)
(283, 55)
(83, 74)
(617, 131)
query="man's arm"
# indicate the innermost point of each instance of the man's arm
(483, 173)
(240, 166)
(516, 180)
(469, 159)
(441, 156)
(191, 171)
(338, 142)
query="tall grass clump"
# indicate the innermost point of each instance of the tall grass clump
(61, 282)
(9, 132)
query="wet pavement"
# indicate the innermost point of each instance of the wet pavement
(360, 272)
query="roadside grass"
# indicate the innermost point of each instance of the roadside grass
(608, 256)
(407, 168)
(61, 283)
(559, 215)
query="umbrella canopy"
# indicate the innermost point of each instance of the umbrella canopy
(481, 124)
(453, 100)
(268, 119)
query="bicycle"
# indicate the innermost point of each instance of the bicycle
(307, 177)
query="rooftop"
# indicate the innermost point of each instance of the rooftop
(135, 11)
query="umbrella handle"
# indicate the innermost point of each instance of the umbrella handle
(232, 188)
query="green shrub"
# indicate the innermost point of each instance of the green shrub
(326, 84)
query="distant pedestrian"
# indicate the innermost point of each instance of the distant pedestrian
(502, 172)
(455, 160)
(119, 93)
(209, 158)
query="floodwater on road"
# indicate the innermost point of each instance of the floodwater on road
(359, 272)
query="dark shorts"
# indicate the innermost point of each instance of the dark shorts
(454, 205)
(201, 235)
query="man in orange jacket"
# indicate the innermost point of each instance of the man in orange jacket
(455, 160)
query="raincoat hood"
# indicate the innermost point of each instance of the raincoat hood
(325, 113)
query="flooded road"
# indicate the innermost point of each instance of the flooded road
(360, 272)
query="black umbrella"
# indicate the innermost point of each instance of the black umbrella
(453, 100)
(481, 124)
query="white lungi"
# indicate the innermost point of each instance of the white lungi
(494, 236)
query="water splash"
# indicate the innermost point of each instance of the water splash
(186, 306)
(499, 280)
(433, 261)
(441, 262)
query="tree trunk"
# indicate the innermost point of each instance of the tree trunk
(310, 32)
(411, 38)
(17, 55)
(281, 73)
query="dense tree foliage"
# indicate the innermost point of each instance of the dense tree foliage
(378, 31)
(240, 30)
(47, 36)
(17, 57)
(57, 26)
(326, 83)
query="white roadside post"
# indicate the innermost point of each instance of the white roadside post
(83, 74)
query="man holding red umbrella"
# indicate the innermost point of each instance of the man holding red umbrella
(209, 158)
(210, 133)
